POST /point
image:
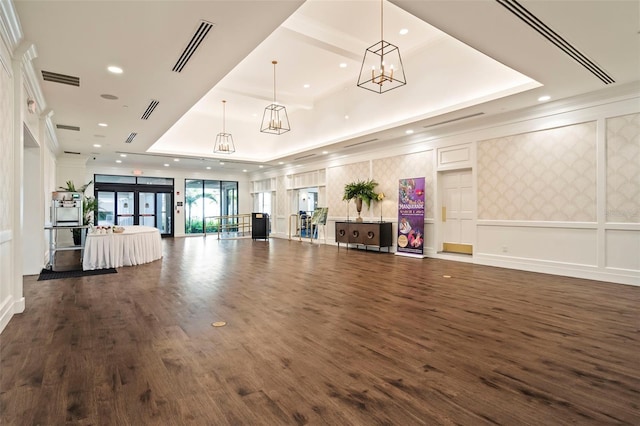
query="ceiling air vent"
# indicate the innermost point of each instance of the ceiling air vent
(61, 78)
(130, 138)
(71, 152)
(66, 127)
(361, 143)
(150, 109)
(454, 120)
(303, 157)
(530, 19)
(196, 40)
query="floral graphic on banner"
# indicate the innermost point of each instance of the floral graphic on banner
(411, 216)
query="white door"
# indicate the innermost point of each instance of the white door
(457, 211)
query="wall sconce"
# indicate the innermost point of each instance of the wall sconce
(31, 106)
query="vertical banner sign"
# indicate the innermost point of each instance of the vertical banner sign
(411, 217)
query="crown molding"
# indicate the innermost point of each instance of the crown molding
(10, 29)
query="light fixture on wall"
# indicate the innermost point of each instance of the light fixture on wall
(382, 68)
(31, 106)
(275, 119)
(224, 141)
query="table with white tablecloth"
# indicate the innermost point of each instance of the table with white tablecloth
(135, 246)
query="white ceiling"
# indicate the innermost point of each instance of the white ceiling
(496, 63)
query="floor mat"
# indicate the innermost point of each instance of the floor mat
(46, 274)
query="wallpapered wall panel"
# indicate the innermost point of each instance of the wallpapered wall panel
(281, 194)
(388, 171)
(623, 169)
(6, 151)
(337, 178)
(548, 175)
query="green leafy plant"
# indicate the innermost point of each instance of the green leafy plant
(362, 190)
(89, 206)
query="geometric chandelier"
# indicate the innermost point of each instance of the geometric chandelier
(275, 119)
(224, 141)
(382, 68)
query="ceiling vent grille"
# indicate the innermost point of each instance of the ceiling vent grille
(152, 106)
(530, 19)
(61, 78)
(196, 40)
(453, 120)
(71, 152)
(361, 143)
(132, 135)
(303, 157)
(66, 127)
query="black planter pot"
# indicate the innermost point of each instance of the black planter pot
(77, 236)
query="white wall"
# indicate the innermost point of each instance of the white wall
(33, 236)
(6, 186)
(555, 190)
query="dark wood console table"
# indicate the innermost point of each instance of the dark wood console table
(376, 234)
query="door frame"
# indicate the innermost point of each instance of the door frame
(137, 189)
(439, 225)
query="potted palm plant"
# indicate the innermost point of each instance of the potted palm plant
(360, 191)
(89, 206)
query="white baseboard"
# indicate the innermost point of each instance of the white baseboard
(8, 308)
(589, 272)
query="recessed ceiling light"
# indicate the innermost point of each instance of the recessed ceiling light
(176, 159)
(115, 70)
(306, 86)
(346, 117)
(222, 163)
(244, 170)
(325, 152)
(102, 124)
(409, 132)
(280, 162)
(123, 155)
(404, 31)
(97, 145)
(260, 166)
(343, 65)
(118, 161)
(544, 98)
(208, 167)
(166, 165)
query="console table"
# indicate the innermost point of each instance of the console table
(376, 234)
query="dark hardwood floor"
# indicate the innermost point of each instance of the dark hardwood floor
(319, 335)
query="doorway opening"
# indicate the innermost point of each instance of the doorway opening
(135, 200)
(306, 203)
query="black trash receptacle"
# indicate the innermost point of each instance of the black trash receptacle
(259, 226)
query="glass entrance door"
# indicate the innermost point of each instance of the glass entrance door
(125, 209)
(131, 200)
(147, 209)
(116, 208)
(164, 205)
(154, 209)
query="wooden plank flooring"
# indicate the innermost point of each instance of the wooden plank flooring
(319, 335)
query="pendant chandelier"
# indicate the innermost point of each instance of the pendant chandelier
(275, 119)
(382, 68)
(224, 141)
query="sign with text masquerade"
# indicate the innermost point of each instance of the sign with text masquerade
(411, 217)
